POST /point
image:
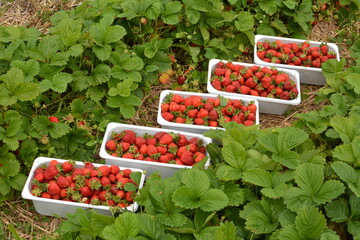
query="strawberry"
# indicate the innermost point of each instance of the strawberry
(250, 82)
(251, 117)
(229, 110)
(164, 159)
(105, 181)
(110, 145)
(124, 146)
(120, 194)
(62, 182)
(174, 107)
(177, 98)
(219, 71)
(45, 195)
(85, 191)
(151, 150)
(187, 158)
(244, 89)
(182, 141)
(180, 151)
(202, 113)
(50, 173)
(162, 149)
(181, 79)
(139, 141)
(89, 165)
(254, 93)
(196, 101)
(129, 196)
(192, 113)
(266, 82)
(199, 156)
(213, 123)
(159, 135)
(67, 167)
(315, 54)
(180, 120)
(166, 139)
(167, 116)
(128, 155)
(39, 177)
(114, 169)
(127, 172)
(53, 188)
(285, 95)
(164, 107)
(104, 171)
(248, 123)
(213, 115)
(252, 108)
(199, 121)
(230, 88)
(208, 106)
(216, 84)
(54, 119)
(316, 63)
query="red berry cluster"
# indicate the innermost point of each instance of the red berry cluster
(162, 147)
(211, 112)
(254, 80)
(294, 54)
(104, 185)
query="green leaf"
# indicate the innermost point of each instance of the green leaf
(310, 223)
(4, 186)
(268, 6)
(258, 177)
(329, 235)
(14, 88)
(30, 68)
(234, 154)
(17, 182)
(196, 180)
(58, 83)
(346, 127)
(69, 31)
(314, 121)
(338, 211)
(332, 69)
(59, 59)
(354, 80)
(279, 25)
(127, 111)
(226, 231)
(287, 217)
(288, 158)
(75, 50)
(234, 193)
(213, 200)
(289, 4)
(245, 22)
(344, 153)
(348, 174)
(102, 52)
(152, 227)
(170, 15)
(9, 168)
(126, 225)
(45, 127)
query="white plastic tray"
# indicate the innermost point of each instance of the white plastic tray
(191, 127)
(165, 169)
(266, 105)
(52, 207)
(308, 75)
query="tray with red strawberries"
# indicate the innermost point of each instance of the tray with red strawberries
(153, 149)
(304, 56)
(275, 89)
(200, 112)
(58, 186)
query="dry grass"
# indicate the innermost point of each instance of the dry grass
(35, 13)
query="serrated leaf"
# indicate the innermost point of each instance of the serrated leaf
(287, 217)
(346, 127)
(279, 25)
(310, 223)
(127, 110)
(30, 68)
(289, 4)
(69, 31)
(75, 50)
(288, 158)
(268, 6)
(4, 186)
(344, 153)
(226, 231)
(174, 219)
(213, 200)
(332, 68)
(58, 83)
(314, 121)
(354, 80)
(338, 210)
(234, 193)
(95, 93)
(17, 182)
(196, 180)
(234, 154)
(126, 225)
(258, 177)
(245, 22)
(59, 59)
(102, 52)
(9, 168)
(170, 14)
(45, 127)
(187, 198)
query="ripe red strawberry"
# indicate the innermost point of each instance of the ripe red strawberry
(162, 149)
(120, 194)
(187, 158)
(54, 119)
(208, 106)
(199, 156)
(192, 113)
(50, 173)
(177, 98)
(105, 181)
(180, 120)
(213, 123)
(285, 95)
(127, 172)
(252, 108)
(216, 84)
(316, 63)
(199, 121)
(180, 151)
(85, 191)
(230, 88)
(166, 139)
(244, 89)
(168, 116)
(104, 170)
(248, 123)
(39, 177)
(62, 182)
(139, 141)
(182, 141)
(213, 115)
(129, 136)
(151, 150)
(202, 113)
(129, 196)
(196, 101)
(229, 110)
(128, 155)
(250, 82)
(164, 107)
(89, 165)
(164, 159)
(67, 166)
(53, 188)
(174, 107)
(110, 145)
(315, 54)
(282, 77)
(251, 117)
(219, 71)
(266, 82)
(254, 93)
(45, 195)
(159, 135)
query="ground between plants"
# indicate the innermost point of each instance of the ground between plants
(36, 13)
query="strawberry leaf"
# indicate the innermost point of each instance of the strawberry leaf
(57, 83)
(354, 80)
(152, 228)
(268, 6)
(69, 31)
(338, 210)
(102, 52)
(348, 152)
(126, 226)
(170, 14)
(349, 175)
(279, 25)
(226, 231)
(17, 182)
(4, 186)
(346, 127)
(245, 21)
(9, 168)
(310, 223)
(314, 121)
(30, 68)
(262, 215)
(311, 190)
(127, 111)
(45, 127)
(14, 88)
